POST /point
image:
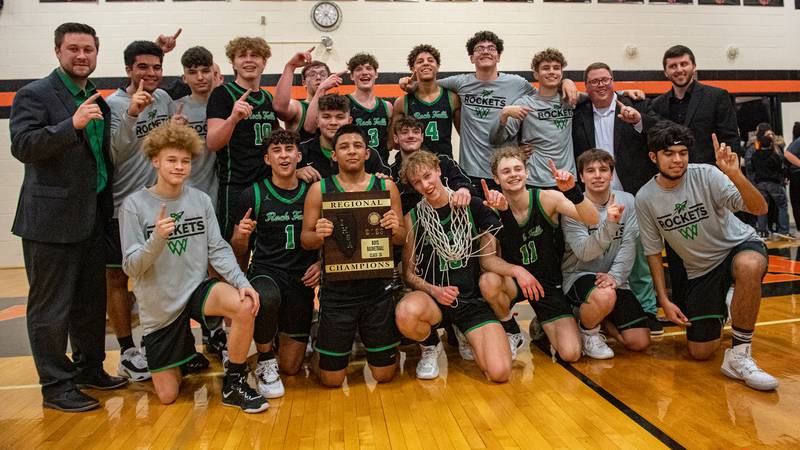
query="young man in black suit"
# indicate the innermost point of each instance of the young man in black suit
(704, 109)
(60, 130)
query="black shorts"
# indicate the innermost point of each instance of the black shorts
(113, 245)
(226, 208)
(553, 306)
(297, 305)
(374, 320)
(173, 345)
(705, 296)
(627, 312)
(469, 314)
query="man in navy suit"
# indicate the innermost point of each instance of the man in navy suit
(60, 130)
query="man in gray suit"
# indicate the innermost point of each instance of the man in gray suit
(59, 129)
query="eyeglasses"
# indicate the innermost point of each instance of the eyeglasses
(599, 82)
(312, 74)
(491, 49)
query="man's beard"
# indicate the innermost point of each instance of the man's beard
(670, 177)
(688, 82)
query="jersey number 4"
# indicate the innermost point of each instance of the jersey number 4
(262, 131)
(432, 131)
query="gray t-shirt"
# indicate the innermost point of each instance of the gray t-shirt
(605, 248)
(548, 127)
(166, 272)
(695, 218)
(204, 170)
(132, 171)
(481, 102)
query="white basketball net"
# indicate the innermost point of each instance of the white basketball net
(459, 248)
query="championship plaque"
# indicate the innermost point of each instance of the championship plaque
(360, 247)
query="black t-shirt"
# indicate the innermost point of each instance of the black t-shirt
(437, 121)
(537, 245)
(279, 217)
(319, 158)
(374, 123)
(455, 273)
(241, 160)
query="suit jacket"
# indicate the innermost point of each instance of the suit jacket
(633, 165)
(58, 202)
(710, 111)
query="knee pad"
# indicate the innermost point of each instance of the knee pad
(382, 358)
(704, 330)
(269, 296)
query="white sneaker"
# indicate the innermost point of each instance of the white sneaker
(428, 365)
(594, 345)
(515, 341)
(464, 348)
(133, 365)
(269, 380)
(739, 365)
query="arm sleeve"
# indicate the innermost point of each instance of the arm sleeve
(500, 133)
(586, 246)
(123, 135)
(723, 190)
(220, 254)
(451, 83)
(455, 178)
(138, 253)
(33, 139)
(219, 104)
(626, 256)
(648, 233)
(727, 126)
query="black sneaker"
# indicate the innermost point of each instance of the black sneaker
(195, 365)
(236, 392)
(656, 329)
(217, 342)
(72, 400)
(98, 379)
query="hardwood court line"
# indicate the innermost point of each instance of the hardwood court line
(728, 327)
(614, 401)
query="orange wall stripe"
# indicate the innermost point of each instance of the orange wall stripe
(649, 87)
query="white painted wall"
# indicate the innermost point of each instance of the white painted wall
(766, 37)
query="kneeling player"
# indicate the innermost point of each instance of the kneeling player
(366, 306)
(533, 245)
(169, 237)
(281, 271)
(690, 207)
(599, 260)
(442, 260)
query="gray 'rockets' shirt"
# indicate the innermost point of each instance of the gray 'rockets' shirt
(605, 248)
(695, 218)
(204, 169)
(481, 102)
(166, 272)
(132, 171)
(549, 128)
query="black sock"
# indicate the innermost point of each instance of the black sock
(125, 343)
(432, 338)
(741, 336)
(265, 356)
(511, 326)
(235, 368)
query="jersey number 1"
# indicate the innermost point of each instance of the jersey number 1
(289, 237)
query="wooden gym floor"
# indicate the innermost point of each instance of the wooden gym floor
(655, 399)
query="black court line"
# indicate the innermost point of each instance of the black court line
(659, 434)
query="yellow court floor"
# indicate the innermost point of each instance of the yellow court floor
(655, 399)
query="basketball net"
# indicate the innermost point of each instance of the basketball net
(449, 247)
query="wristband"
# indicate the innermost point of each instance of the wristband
(574, 195)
